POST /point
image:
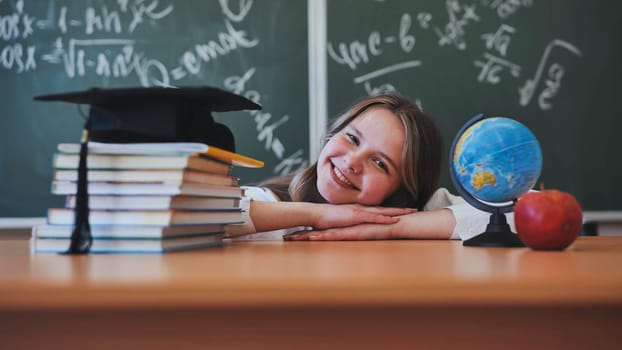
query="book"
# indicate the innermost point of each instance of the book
(59, 245)
(157, 202)
(66, 216)
(170, 176)
(115, 188)
(188, 148)
(126, 232)
(108, 161)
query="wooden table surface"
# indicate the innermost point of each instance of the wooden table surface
(360, 288)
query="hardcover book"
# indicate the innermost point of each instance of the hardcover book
(171, 176)
(188, 148)
(106, 161)
(65, 216)
(106, 202)
(59, 245)
(127, 232)
(111, 188)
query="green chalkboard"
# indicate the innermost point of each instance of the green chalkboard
(255, 48)
(554, 65)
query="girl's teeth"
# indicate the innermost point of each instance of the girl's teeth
(341, 177)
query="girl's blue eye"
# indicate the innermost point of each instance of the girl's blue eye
(352, 138)
(382, 166)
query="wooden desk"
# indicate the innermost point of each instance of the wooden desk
(314, 295)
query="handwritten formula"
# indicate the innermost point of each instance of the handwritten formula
(458, 28)
(104, 41)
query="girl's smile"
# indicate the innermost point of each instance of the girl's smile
(361, 163)
(340, 178)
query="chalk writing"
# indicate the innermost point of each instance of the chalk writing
(460, 16)
(227, 42)
(97, 40)
(407, 41)
(386, 70)
(505, 8)
(354, 53)
(266, 126)
(494, 65)
(375, 90)
(499, 40)
(464, 18)
(17, 25)
(141, 10)
(107, 57)
(110, 21)
(552, 82)
(293, 163)
(116, 57)
(18, 57)
(107, 21)
(424, 19)
(245, 7)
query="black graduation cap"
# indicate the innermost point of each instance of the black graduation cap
(129, 115)
(155, 114)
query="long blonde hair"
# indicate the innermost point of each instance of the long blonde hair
(421, 157)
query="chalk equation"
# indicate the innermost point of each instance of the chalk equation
(455, 29)
(356, 53)
(506, 8)
(118, 56)
(491, 68)
(98, 41)
(552, 81)
(266, 126)
(460, 17)
(17, 26)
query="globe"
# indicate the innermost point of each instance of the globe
(497, 159)
(493, 161)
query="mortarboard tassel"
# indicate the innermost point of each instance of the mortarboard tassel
(81, 238)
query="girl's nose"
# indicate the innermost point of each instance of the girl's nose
(353, 163)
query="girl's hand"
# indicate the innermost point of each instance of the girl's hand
(331, 216)
(435, 224)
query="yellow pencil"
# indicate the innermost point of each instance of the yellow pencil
(233, 158)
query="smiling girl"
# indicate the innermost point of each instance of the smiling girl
(376, 178)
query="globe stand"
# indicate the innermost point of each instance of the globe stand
(498, 232)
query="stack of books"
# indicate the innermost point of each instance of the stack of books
(145, 198)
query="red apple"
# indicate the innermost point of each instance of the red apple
(548, 220)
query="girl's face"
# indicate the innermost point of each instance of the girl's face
(361, 163)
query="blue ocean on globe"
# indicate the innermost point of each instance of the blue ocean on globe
(497, 159)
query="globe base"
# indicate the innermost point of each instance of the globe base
(497, 234)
